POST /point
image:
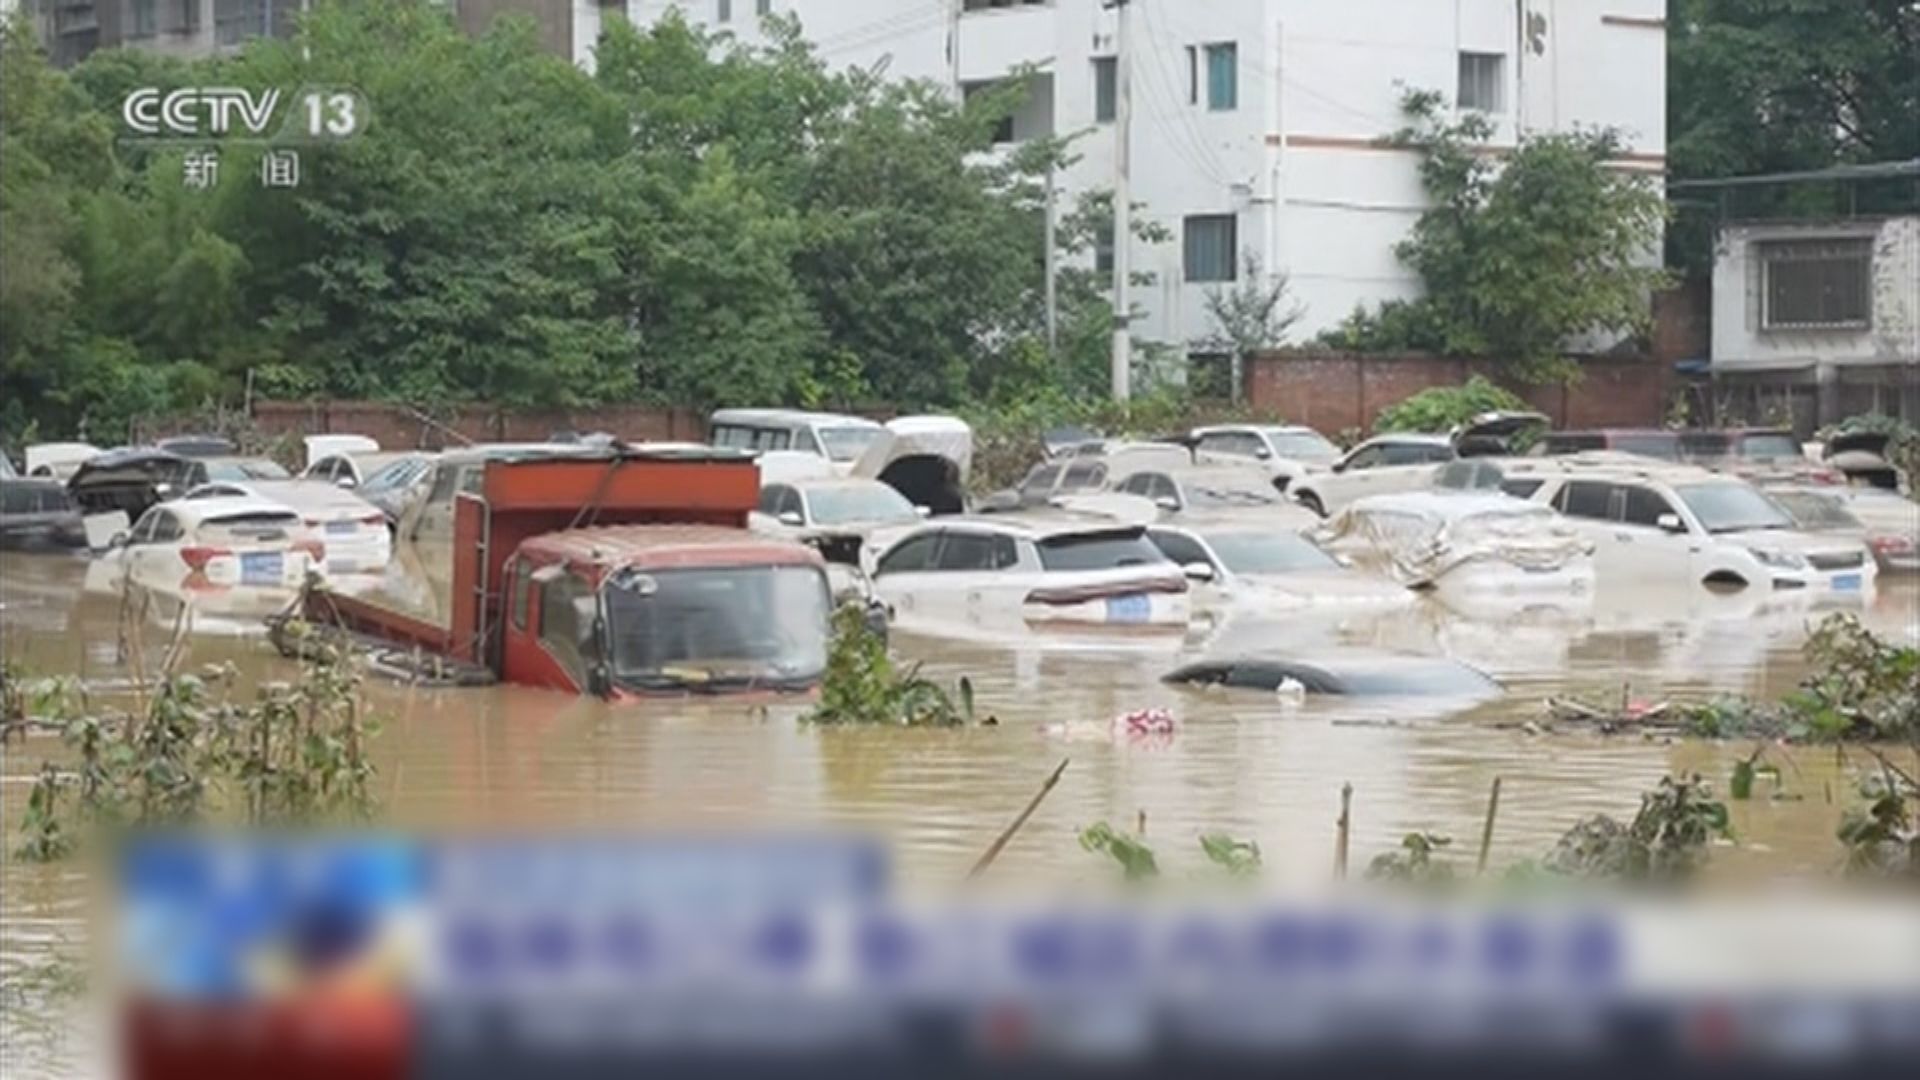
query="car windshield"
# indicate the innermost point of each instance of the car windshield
(848, 442)
(396, 474)
(240, 471)
(1813, 510)
(1768, 447)
(717, 627)
(859, 502)
(1728, 508)
(1098, 551)
(1268, 553)
(1308, 446)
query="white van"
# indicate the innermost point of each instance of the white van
(839, 439)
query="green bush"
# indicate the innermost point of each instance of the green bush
(1443, 407)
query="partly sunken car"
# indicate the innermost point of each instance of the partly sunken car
(114, 488)
(1405, 462)
(1238, 562)
(1018, 570)
(218, 543)
(1887, 523)
(1356, 673)
(37, 514)
(1212, 489)
(354, 530)
(1467, 541)
(1285, 452)
(1678, 523)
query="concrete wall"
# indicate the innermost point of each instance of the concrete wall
(1334, 391)
(1742, 345)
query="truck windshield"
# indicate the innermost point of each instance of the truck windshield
(717, 628)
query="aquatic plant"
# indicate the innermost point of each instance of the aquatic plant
(1667, 841)
(1414, 863)
(1863, 687)
(295, 755)
(1239, 858)
(861, 685)
(1131, 852)
(1881, 839)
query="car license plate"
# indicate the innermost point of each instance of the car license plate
(262, 567)
(340, 528)
(1846, 583)
(1129, 609)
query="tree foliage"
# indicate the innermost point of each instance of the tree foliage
(697, 221)
(1518, 254)
(1441, 408)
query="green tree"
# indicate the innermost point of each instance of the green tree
(1772, 86)
(1518, 255)
(1251, 317)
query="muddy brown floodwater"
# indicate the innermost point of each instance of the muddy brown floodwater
(1254, 765)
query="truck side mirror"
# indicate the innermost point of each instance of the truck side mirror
(792, 517)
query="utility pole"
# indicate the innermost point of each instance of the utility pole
(1122, 206)
(1053, 294)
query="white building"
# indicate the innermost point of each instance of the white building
(1825, 313)
(1258, 124)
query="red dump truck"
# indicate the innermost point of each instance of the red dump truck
(619, 571)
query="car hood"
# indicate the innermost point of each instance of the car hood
(1804, 543)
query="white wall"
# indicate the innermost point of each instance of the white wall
(1320, 86)
(1741, 344)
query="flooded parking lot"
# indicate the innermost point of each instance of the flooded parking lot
(1263, 766)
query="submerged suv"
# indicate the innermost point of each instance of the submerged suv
(1682, 523)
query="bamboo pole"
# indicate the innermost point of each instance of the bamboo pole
(1006, 835)
(1486, 830)
(1344, 834)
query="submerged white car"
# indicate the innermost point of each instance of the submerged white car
(1238, 563)
(1685, 524)
(353, 530)
(1888, 523)
(847, 519)
(1026, 572)
(1386, 464)
(218, 542)
(1285, 453)
(1464, 541)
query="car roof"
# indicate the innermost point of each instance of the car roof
(1654, 472)
(787, 417)
(833, 483)
(294, 493)
(1029, 525)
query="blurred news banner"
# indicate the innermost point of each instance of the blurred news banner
(605, 955)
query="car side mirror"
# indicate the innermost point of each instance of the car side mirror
(1167, 503)
(791, 517)
(1263, 453)
(1338, 466)
(599, 683)
(347, 482)
(1198, 572)
(1671, 523)
(923, 511)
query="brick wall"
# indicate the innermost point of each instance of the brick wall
(1335, 391)
(398, 428)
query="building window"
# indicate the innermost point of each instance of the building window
(1211, 241)
(763, 8)
(989, 5)
(724, 11)
(189, 15)
(145, 25)
(1483, 81)
(1816, 284)
(1105, 85)
(1103, 246)
(1223, 77)
(1003, 128)
(1193, 75)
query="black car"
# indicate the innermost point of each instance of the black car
(133, 479)
(38, 515)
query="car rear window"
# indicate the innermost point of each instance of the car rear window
(1098, 551)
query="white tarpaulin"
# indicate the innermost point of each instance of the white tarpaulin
(943, 437)
(1421, 536)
